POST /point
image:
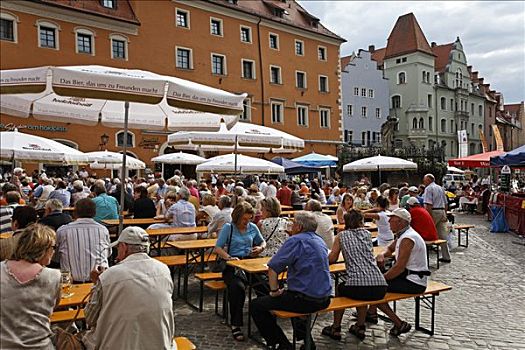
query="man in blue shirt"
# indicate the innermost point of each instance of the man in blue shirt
(306, 256)
(107, 207)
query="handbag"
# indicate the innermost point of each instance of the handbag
(220, 263)
(64, 339)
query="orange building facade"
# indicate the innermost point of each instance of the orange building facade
(276, 52)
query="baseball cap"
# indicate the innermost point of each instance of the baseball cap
(132, 235)
(400, 213)
(412, 201)
(413, 189)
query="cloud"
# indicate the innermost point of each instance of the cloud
(492, 32)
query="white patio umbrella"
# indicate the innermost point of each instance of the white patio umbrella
(179, 158)
(129, 86)
(232, 163)
(20, 146)
(379, 163)
(453, 169)
(113, 161)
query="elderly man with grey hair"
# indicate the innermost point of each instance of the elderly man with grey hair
(325, 225)
(224, 216)
(181, 214)
(305, 256)
(53, 215)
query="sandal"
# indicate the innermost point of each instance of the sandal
(403, 328)
(332, 332)
(370, 318)
(358, 331)
(237, 334)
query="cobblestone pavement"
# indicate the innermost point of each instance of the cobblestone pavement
(484, 310)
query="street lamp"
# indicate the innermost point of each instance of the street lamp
(104, 139)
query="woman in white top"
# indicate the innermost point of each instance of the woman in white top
(346, 205)
(410, 272)
(384, 233)
(393, 199)
(272, 227)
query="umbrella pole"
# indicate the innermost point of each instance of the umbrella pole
(235, 151)
(379, 170)
(123, 174)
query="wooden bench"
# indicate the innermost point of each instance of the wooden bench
(218, 286)
(203, 277)
(66, 316)
(184, 343)
(434, 246)
(463, 228)
(342, 303)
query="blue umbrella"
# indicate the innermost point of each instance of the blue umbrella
(291, 167)
(315, 160)
(516, 157)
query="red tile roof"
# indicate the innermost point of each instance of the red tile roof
(295, 15)
(122, 12)
(379, 55)
(346, 60)
(513, 108)
(442, 53)
(406, 37)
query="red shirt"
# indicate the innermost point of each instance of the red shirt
(284, 195)
(423, 224)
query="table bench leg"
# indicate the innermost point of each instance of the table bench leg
(429, 303)
(466, 237)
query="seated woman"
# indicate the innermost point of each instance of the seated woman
(346, 205)
(393, 199)
(165, 203)
(361, 202)
(22, 217)
(272, 226)
(243, 240)
(410, 272)
(208, 210)
(335, 198)
(143, 206)
(30, 291)
(384, 233)
(365, 280)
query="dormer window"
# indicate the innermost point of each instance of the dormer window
(278, 12)
(233, 2)
(110, 4)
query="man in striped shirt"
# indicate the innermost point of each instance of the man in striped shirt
(84, 243)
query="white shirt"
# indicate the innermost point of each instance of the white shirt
(271, 191)
(384, 233)
(325, 228)
(418, 256)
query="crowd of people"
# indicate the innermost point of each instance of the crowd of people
(244, 216)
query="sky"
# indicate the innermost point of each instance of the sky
(492, 32)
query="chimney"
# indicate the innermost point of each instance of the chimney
(433, 44)
(371, 48)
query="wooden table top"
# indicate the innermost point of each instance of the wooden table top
(71, 209)
(292, 212)
(79, 292)
(6, 235)
(176, 231)
(370, 226)
(129, 222)
(195, 244)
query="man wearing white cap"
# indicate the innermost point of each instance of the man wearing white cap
(410, 272)
(413, 192)
(131, 304)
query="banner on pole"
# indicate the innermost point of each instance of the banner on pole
(463, 143)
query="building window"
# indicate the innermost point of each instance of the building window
(47, 36)
(300, 80)
(216, 26)
(350, 110)
(443, 103)
(404, 59)
(443, 125)
(371, 93)
(363, 92)
(321, 53)
(246, 34)
(401, 78)
(396, 101)
(452, 126)
(421, 123)
(110, 4)
(324, 116)
(184, 58)
(429, 101)
(119, 47)
(183, 18)
(246, 110)
(302, 115)
(85, 43)
(277, 112)
(274, 41)
(275, 75)
(451, 104)
(323, 83)
(364, 111)
(472, 109)
(299, 48)
(414, 123)
(356, 91)
(7, 27)
(130, 139)
(378, 112)
(480, 110)
(364, 140)
(349, 136)
(248, 69)
(218, 64)
(430, 123)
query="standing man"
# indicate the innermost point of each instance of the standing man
(436, 205)
(305, 255)
(284, 194)
(131, 305)
(83, 243)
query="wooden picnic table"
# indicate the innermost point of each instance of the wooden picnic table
(72, 209)
(130, 222)
(370, 226)
(79, 293)
(158, 234)
(6, 235)
(292, 212)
